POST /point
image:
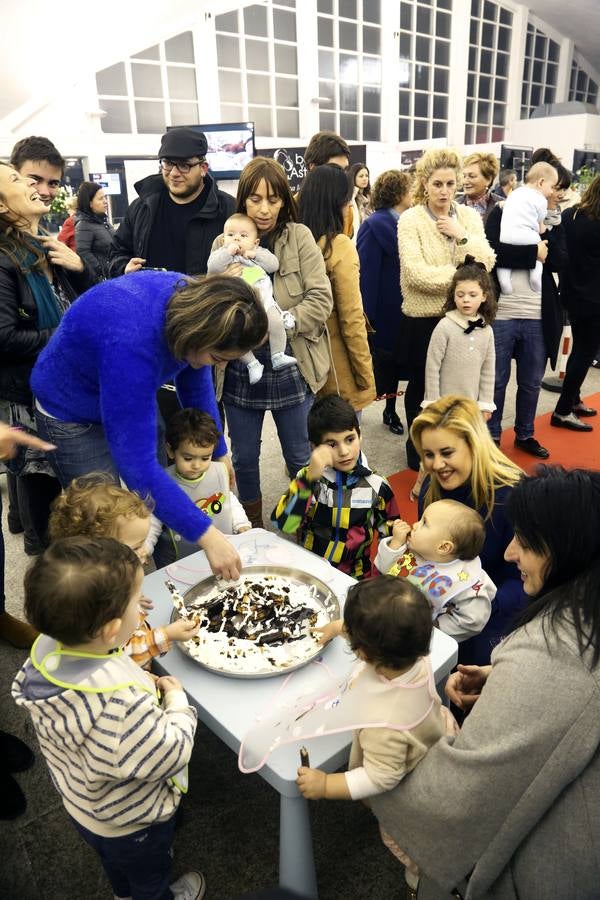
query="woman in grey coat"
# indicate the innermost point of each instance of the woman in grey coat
(93, 232)
(509, 808)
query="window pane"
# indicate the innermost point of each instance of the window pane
(325, 6)
(348, 97)
(182, 83)
(504, 39)
(406, 11)
(371, 40)
(348, 69)
(284, 25)
(537, 72)
(469, 134)
(112, 80)
(540, 46)
(371, 100)
(442, 53)
(484, 87)
(116, 120)
(327, 121)
(287, 123)
(347, 9)
(230, 88)
(326, 64)
(422, 49)
(527, 70)
(287, 91)
(404, 130)
(371, 128)
(440, 107)
(423, 20)
(327, 91)
(259, 89)
(257, 55)
(286, 59)
(487, 35)
(347, 36)
(420, 130)
(551, 71)
(148, 53)
(553, 51)
(372, 11)
(440, 81)
(498, 117)
(475, 7)
(536, 95)
(227, 22)
(261, 117)
(483, 112)
(371, 69)
(439, 130)
(325, 32)
(404, 103)
(150, 117)
(500, 89)
(505, 16)
(228, 51)
(231, 113)
(422, 77)
(421, 105)
(255, 21)
(489, 11)
(444, 4)
(146, 80)
(474, 32)
(469, 111)
(442, 25)
(349, 127)
(405, 46)
(184, 114)
(501, 64)
(471, 86)
(180, 48)
(487, 58)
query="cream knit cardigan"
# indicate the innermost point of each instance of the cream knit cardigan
(428, 259)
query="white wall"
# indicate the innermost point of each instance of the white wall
(562, 134)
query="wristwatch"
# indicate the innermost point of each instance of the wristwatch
(462, 241)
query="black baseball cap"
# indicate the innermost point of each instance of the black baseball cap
(183, 143)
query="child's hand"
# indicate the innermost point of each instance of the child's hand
(250, 254)
(400, 532)
(486, 416)
(233, 249)
(320, 458)
(243, 528)
(329, 631)
(168, 683)
(182, 629)
(312, 783)
(146, 603)
(543, 228)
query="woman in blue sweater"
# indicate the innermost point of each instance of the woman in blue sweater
(95, 383)
(464, 464)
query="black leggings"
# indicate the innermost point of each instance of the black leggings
(586, 336)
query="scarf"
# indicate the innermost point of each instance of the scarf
(48, 308)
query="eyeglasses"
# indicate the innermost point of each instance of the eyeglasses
(181, 166)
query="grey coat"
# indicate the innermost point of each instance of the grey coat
(93, 237)
(511, 808)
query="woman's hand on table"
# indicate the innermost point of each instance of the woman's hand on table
(61, 255)
(222, 556)
(464, 686)
(226, 460)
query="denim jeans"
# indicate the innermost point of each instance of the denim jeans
(245, 427)
(80, 449)
(137, 865)
(523, 341)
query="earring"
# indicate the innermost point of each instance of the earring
(425, 193)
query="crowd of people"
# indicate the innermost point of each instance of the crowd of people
(122, 351)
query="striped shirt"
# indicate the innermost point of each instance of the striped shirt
(111, 752)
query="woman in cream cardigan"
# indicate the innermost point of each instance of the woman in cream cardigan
(323, 199)
(433, 238)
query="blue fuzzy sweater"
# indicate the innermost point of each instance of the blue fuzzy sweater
(105, 364)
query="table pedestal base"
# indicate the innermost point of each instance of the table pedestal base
(296, 859)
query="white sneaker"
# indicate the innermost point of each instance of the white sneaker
(190, 886)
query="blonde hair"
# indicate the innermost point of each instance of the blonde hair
(92, 506)
(490, 467)
(487, 162)
(541, 170)
(430, 162)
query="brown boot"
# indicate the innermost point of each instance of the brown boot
(17, 633)
(253, 510)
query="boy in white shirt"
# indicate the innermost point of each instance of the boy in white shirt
(523, 217)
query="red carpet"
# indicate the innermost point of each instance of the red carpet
(567, 448)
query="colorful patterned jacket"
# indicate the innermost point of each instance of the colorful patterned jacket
(336, 517)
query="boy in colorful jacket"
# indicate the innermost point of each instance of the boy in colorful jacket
(337, 502)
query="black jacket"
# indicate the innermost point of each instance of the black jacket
(581, 285)
(131, 238)
(93, 237)
(20, 339)
(510, 256)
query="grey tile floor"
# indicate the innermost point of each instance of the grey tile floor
(230, 823)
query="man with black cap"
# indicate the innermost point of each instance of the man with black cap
(178, 213)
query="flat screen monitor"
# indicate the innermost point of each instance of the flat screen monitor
(517, 158)
(590, 159)
(230, 147)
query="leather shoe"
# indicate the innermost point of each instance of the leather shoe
(571, 422)
(533, 447)
(584, 412)
(392, 420)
